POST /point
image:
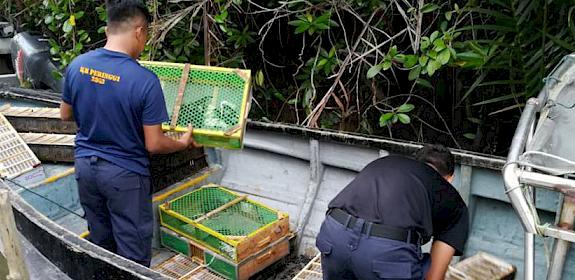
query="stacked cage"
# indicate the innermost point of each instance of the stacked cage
(232, 235)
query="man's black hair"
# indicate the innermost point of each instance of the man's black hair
(439, 156)
(121, 11)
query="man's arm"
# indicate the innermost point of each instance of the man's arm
(66, 111)
(158, 143)
(441, 254)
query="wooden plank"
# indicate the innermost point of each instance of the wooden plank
(221, 208)
(11, 240)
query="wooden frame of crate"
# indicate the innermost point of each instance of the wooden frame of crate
(183, 268)
(233, 247)
(221, 265)
(217, 87)
(312, 270)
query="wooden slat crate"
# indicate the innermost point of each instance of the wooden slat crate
(165, 170)
(479, 267)
(16, 158)
(183, 268)
(33, 119)
(225, 222)
(221, 265)
(312, 271)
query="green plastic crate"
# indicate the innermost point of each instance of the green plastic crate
(215, 101)
(250, 266)
(239, 229)
(174, 242)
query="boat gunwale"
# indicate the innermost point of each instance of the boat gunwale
(463, 157)
(71, 242)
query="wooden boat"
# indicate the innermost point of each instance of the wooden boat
(290, 168)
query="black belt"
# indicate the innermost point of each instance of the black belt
(377, 230)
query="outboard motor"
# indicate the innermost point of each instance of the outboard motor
(33, 63)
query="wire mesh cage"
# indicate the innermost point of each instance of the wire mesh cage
(214, 100)
(225, 222)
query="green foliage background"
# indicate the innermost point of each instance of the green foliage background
(453, 72)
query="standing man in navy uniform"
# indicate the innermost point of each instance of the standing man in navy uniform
(119, 107)
(376, 225)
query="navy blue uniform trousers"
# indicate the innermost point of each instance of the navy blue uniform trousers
(347, 253)
(118, 207)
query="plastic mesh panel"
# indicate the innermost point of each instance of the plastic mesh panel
(201, 202)
(212, 98)
(240, 219)
(170, 80)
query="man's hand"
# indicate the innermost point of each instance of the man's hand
(158, 143)
(188, 138)
(441, 254)
(66, 112)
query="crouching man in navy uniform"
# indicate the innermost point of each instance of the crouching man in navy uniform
(376, 225)
(119, 107)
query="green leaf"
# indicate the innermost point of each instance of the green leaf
(296, 22)
(332, 52)
(433, 36)
(374, 70)
(405, 108)
(78, 47)
(101, 30)
(432, 54)
(260, 78)
(302, 28)
(385, 119)
(444, 56)
(439, 44)
(79, 14)
(67, 28)
(424, 43)
(392, 52)
(394, 119)
(424, 83)
(432, 66)
(48, 19)
(386, 65)
(414, 73)
(409, 61)
(448, 15)
(403, 118)
(470, 136)
(429, 7)
(423, 60)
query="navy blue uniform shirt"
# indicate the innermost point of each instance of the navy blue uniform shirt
(402, 192)
(112, 98)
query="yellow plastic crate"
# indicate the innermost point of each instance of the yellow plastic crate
(214, 100)
(225, 222)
